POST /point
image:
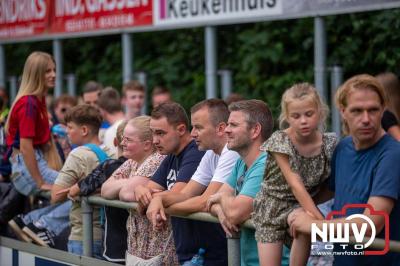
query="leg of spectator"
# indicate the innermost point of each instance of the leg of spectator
(75, 247)
(20, 176)
(270, 253)
(22, 180)
(98, 249)
(36, 214)
(56, 220)
(300, 250)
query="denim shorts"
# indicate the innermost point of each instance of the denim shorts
(76, 247)
(21, 177)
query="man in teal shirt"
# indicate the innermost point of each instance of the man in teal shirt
(249, 125)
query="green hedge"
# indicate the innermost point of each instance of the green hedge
(265, 57)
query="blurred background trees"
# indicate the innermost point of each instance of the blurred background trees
(265, 58)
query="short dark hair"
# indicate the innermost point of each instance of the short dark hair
(85, 115)
(173, 112)
(217, 108)
(65, 98)
(92, 86)
(133, 85)
(257, 112)
(159, 89)
(234, 97)
(110, 100)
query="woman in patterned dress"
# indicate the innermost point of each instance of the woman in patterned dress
(143, 161)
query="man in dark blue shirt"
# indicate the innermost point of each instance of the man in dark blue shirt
(365, 169)
(170, 126)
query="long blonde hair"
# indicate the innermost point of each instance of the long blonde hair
(302, 91)
(33, 78)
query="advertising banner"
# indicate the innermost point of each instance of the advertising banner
(89, 15)
(23, 18)
(44, 19)
(170, 12)
(213, 12)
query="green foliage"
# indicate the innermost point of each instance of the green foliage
(265, 58)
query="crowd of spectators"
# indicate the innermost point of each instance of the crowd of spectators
(225, 159)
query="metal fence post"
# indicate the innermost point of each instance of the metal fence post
(127, 57)
(336, 81)
(2, 67)
(87, 226)
(234, 249)
(211, 61)
(58, 56)
(71, 84)
(13, 87)
(142, 78)
(320, 56)
(226, 82)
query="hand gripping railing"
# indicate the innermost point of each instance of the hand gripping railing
(233, 242)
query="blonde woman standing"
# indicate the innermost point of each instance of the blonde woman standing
(27, 128)
(29, 141)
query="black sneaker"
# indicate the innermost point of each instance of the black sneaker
(39, 235)
(17, 224)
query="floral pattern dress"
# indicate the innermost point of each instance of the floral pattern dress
(143, 241)
(275, 200)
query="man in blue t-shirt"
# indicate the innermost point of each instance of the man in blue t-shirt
(250, 124)
(169, 124)
(365, 168)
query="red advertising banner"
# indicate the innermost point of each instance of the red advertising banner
(23, 18)
(88, 15)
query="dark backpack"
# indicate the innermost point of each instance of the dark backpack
(12, 202)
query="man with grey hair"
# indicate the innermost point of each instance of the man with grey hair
(250, 124)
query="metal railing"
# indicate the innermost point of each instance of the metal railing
(232, 242)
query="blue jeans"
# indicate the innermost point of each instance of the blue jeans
(21, 177)
(76, 247)
(55, 218)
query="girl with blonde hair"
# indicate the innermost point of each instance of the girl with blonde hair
(298, 163)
